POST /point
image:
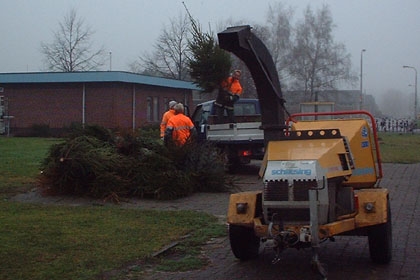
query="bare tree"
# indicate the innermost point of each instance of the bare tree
(318, 62)
(72, 49)
(277, 35)
(170, 56)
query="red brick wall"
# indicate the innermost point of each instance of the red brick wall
(106, 104)
(51, 104)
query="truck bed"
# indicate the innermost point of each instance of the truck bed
(247, 132)
(212, 119)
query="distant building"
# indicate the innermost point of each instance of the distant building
(344, 100)
(113, 99)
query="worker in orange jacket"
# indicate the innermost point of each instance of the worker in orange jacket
(166, 116)
(179, 128)
(229, 93)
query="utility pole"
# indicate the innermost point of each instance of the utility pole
(415, 90)
(361, 79)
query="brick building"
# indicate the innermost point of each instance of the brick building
(111, 99)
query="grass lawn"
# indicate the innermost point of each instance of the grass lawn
(56, 242)
(20, 159)
(400, 148)
(64, 242)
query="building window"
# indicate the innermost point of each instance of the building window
(153, 109)
(165, 104)
(149, 109)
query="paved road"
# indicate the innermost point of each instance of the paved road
(346, 258)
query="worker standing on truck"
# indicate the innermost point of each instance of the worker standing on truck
(229, 93)
(179, 128)
(165, 118)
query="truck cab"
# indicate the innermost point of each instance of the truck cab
(245, 109)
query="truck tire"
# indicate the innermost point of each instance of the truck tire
(243, 242)
(380, 241)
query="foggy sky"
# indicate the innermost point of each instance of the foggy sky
(387, 29)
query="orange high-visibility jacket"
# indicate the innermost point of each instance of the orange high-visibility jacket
(181, 127)
(232, 85)
(165, 118)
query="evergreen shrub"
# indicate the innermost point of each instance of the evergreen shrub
(40, 130)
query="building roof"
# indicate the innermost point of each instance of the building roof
(93, 76)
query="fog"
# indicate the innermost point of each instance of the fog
(387, 29)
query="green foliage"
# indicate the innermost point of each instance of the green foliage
(77, 129)
(205, 166)
(209, 64)
(149, 131)
(85, 165)
(156, 175)
(40, 130)
(136, 145)
(131, 165)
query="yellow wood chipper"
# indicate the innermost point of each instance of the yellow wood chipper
(320, 177)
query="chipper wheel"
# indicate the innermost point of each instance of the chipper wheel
(243, 242)
(380, 241)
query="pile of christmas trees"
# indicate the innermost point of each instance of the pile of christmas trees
(97, 163)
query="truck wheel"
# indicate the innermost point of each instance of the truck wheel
(243, 242)
(380, 241)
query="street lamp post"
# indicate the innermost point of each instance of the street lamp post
(110, 61)
(415, 90)
(361, 78)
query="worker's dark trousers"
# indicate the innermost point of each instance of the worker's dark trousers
(220, 110)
